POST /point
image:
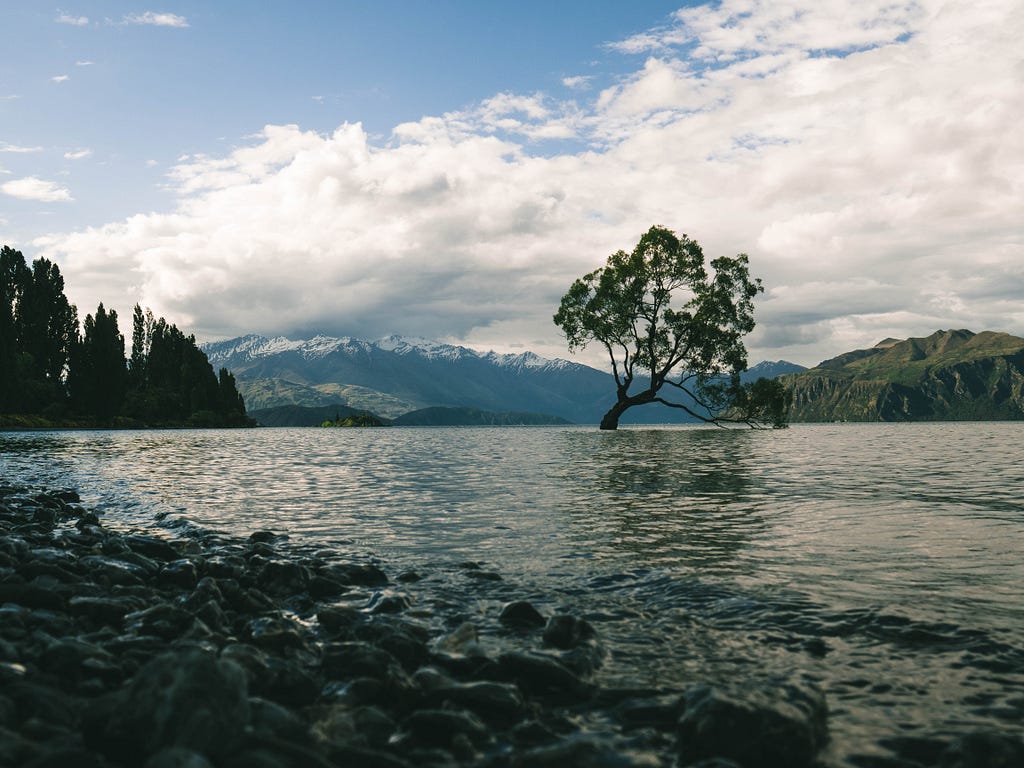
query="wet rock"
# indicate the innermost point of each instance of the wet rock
(111, 571)
(30, 596)
(109, 611)
(269, 717)
(498, 704)
(567, 632)
(402, 641)
(373, 725)
(287, 682)
(582, 753)
(262, 537)
(179, 574)
(380, 603)
(365, 757)
(322, 586)
(177, 757)
(661, 713)
(152, 547)
(189, 699)
(408, 577)
(71, 659)
(521, 615)
(162, 620)
(337, 619)
(360, 575)
(274, 633)
(782, 725)
(282, 578)
(358, 659)
(440, 727)
(541, 676)
(984, 750)
(64, 757)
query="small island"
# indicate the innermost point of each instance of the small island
(354, 420)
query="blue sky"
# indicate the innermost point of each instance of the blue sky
(446, 169)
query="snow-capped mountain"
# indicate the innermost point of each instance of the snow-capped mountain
(397, 374)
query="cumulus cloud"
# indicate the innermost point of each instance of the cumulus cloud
(868, 159)
(31, 188)
(84, 63)
(151, 18)
(60, 78)
(77, 154)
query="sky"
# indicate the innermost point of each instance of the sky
(447, 169)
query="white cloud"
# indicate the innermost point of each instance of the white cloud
(577, 82)
(77, 154)
(82, 63)
(75, 21)
(31, 188)
(16, 149)
(877, 190)
(156, 19)
(60, 79)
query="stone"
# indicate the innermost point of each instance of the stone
(358, 659)
(984, 750)
(361, 575)
(439, 727)
(541, 676)
(777, 725)
(567, 632)
(176, 757)
(499, 704)
(31, 596)
(179, 574)
(108, 611)
(188, 699)
(283, 578)
(582, 753)
(521, 615)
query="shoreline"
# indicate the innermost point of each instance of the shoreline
(186, 647)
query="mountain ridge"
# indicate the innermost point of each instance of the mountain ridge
(395, 375)
(951, 374)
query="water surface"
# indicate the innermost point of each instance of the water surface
(885, 561)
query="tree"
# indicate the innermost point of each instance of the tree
(665, 322)
(98, 379)
(13, 277)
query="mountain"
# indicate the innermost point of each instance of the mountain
(396, 375)
(949, 375)
(438, 416)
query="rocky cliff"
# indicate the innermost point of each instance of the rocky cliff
(950, 375)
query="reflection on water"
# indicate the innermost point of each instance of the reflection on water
(663, 496)
(884, 560)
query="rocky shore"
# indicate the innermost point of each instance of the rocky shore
(185, 648)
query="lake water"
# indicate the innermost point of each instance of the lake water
(885, 561)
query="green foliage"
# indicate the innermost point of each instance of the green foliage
(49, 371)
(658, 313)
(355, 420)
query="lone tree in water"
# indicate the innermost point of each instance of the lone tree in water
(665, 322)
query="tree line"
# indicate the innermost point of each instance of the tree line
(52, 367)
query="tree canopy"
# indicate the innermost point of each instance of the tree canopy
(49, 369)
(666, 322)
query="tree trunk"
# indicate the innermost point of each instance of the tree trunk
(611, 419)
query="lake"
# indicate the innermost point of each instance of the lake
(886, 561)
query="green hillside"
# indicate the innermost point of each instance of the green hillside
(949, 375)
